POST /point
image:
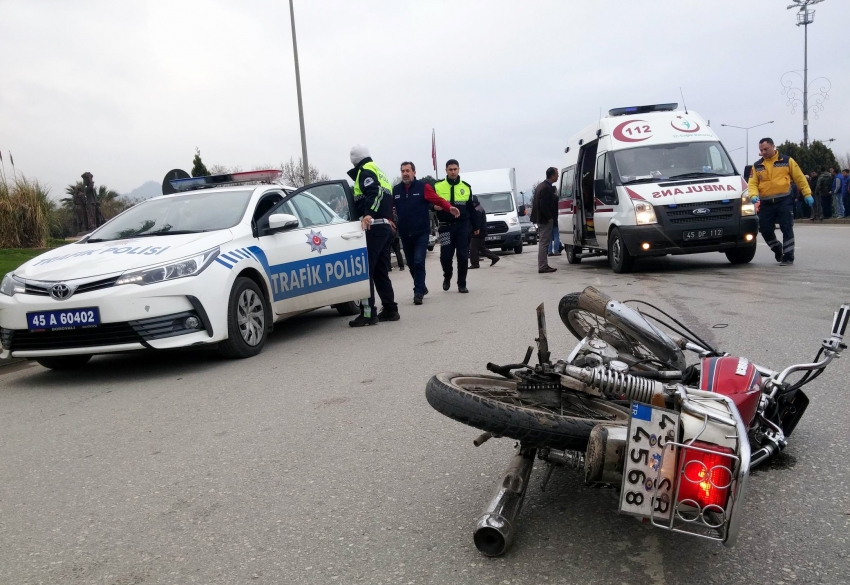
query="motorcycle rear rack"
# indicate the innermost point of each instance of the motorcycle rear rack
(714, 522)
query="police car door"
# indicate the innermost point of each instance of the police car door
(322, 259)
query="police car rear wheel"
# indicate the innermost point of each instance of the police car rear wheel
(246, 321)
(64, 362)
(348, 309)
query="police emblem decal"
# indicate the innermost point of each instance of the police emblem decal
(316, 241)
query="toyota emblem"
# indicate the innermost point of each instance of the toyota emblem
(60, 292)
(701, 211)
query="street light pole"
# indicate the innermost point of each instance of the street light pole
(306, 169)
(805, 17)
(747, 143)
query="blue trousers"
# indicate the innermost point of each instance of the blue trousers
(780, 211)
(415, 248)
(555, 246)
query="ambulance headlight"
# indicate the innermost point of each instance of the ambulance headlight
(9, 286)
(747, 206)
(644, 213)
(191, 266)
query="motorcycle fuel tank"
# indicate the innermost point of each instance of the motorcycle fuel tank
(736, 378)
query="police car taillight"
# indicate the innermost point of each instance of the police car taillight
(263, 176)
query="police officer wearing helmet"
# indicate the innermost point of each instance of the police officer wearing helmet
(454, 232)
(374, 204)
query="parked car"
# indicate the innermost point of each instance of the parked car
(529, 230)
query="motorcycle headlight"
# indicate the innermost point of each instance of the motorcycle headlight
(747, 206)
(644, 213)
(10, 286)
(178, 269)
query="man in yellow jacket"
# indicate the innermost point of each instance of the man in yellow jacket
(770, 184)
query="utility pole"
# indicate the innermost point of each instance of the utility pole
(805, 17)
(300, 104)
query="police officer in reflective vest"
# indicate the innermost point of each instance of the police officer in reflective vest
(453, 231)
(374, 204)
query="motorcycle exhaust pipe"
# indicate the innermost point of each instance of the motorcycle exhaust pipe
(494, 532)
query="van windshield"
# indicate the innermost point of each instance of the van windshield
(648, 164)
(496, 202)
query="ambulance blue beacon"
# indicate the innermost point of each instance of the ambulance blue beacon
(216, 263)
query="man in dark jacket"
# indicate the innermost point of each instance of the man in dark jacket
(544, 212)
(477, 245)
(413, 199)
(823, 195)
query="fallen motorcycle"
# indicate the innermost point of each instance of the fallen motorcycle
(626, 409)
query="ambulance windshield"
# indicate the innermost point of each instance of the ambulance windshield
(649, 164)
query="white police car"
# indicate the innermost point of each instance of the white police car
(215, 265)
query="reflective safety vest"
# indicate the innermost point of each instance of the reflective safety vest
(385, 186)
(459, 193)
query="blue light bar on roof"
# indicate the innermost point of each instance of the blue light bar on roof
(642, 109)
(266, 176)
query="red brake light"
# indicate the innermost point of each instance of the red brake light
(706, 477)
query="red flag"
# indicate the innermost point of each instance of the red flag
(433, 149)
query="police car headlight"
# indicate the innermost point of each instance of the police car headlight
(10, 286)
(180, 269)
(644, 213)
(747, 206)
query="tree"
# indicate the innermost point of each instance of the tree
(429, 179)
(844, 160)
(814, 158)
(293, 174)
(198, 168)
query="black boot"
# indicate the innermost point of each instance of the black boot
(447, 282)
(361, 321)
(387, 315)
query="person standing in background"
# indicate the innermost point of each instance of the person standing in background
(477, 244)
(455, 230)
(823, 195)
(544, 212)
(837, 195)
(845, 190)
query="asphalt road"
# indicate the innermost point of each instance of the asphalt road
(320, 461)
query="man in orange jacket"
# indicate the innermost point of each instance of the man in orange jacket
(770, 183)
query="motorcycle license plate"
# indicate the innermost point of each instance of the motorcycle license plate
(647, 486)
(702, 234)
(64, 319)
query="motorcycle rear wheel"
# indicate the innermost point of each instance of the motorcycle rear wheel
(493, 404)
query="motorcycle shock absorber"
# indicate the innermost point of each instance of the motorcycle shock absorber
(618, 385)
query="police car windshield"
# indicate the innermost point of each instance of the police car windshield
(496, 202)
(645, 164)
(191, 213)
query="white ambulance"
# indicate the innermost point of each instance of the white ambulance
(651, 181)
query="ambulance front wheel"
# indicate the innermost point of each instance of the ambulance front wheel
(247, 321)
(618, 255)
(573, 255)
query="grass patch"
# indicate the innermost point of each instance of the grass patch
(11, 258)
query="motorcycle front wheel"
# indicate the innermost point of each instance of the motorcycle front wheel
(493, 404)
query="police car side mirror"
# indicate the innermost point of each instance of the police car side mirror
(280, 222)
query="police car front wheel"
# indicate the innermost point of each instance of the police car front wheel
(247, 328)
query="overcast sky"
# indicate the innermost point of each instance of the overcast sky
(128, 90)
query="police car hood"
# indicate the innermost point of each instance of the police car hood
(688, 191)
(82, 260)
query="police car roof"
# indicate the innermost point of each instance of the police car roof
(229, 188)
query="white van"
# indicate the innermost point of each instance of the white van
(496, 190)
(652, 181)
